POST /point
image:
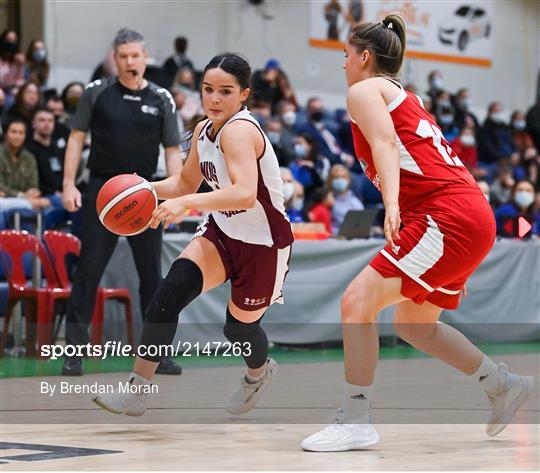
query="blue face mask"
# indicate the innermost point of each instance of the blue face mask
(273, 137)
(340, 184)
(297, 204)
(300, 150)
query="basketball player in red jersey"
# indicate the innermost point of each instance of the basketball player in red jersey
(246, 237)
(448, 229)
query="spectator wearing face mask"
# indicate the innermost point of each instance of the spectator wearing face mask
(518, 129)
(316, 127)
(286, 111)
(37, 65)
(273, 130)
(501, 189)
(495, 141)
(521, 205)
(444, 113)
(465, 147)
(339, 182)
(71, 95)
(462, 106)
(310, 168)
(11, 65)
(320, 207)
(435, 83)
(293, 193)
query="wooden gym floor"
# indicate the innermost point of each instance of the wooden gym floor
(428, 415)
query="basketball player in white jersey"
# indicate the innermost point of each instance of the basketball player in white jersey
(246, 237)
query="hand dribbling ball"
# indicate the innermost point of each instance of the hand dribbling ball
(125, 204)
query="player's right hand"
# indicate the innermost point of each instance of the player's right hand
(392, 222)
(71, 198)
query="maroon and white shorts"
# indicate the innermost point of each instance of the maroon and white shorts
(256, 272)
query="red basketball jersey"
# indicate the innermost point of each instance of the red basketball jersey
(428, 166)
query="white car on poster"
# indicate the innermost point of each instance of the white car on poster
(466, 24)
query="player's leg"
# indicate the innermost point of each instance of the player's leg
(146, 250)
(198, 269)
(243, 330)
(419, 326)
(365, 297)
(256, 283)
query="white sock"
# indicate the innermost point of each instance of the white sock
(356, 403)
(136, 379)
(255, 379)
(487, 375)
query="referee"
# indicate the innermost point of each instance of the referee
(128, 117)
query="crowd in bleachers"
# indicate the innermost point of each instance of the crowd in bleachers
(323, 179)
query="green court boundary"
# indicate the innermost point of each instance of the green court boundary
(11, 367)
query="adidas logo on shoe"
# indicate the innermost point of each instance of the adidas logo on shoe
(482, 378)
(359, 396)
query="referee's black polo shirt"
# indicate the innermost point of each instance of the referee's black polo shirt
(126, 127)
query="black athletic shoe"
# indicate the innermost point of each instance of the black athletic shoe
(72, 366)
(168, 366)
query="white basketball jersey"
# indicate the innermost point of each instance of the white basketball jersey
(266, 223)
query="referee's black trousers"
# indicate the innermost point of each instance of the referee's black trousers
(98, 245)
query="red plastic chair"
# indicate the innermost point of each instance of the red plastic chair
(41, 300)
(60, 245)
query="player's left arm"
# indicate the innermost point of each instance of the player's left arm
(368, 109)
(239, 142)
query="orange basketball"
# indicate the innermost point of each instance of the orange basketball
(125, 204)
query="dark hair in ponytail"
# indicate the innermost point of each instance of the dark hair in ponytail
(385, 40)
(233, 64)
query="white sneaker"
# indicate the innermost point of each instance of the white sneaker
(341, 437)
(129, 403)
(513, 392)
(247, 395)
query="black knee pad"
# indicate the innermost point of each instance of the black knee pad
(248, 333)
(183, 283)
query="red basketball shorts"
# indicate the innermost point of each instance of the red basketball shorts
(442, 243)
(256, 272)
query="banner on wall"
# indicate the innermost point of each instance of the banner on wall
(450, 31)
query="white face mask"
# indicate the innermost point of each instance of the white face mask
(497, 117)
(288, 190)
(524, 199)
(289, 117)
(488, 198)
(297, 204)
(519, 124)
(437, 82)
(467, 140)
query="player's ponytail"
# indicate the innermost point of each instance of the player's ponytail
(385, 40)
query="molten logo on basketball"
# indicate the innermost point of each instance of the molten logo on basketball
(125, 204)
(126, 209)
